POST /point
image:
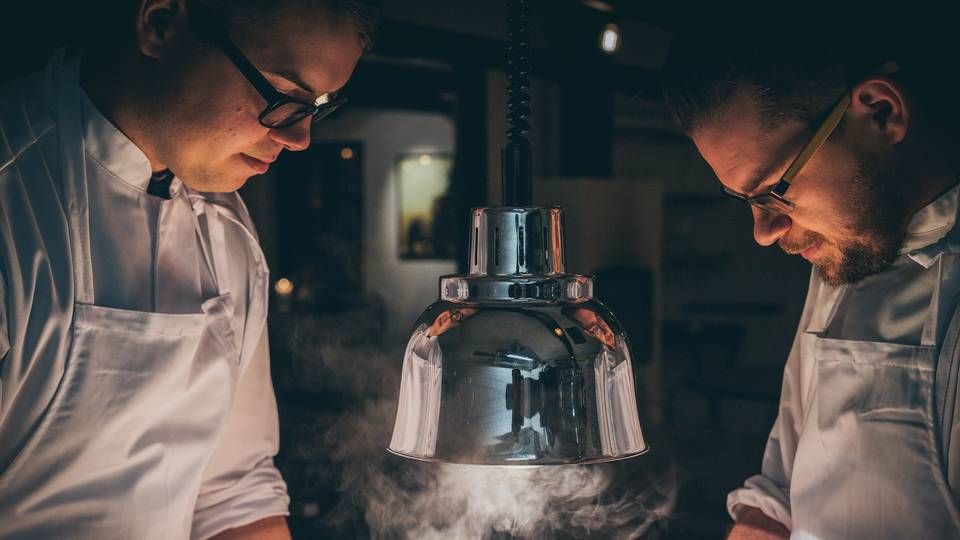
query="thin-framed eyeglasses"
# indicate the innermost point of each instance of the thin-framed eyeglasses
(282, 110)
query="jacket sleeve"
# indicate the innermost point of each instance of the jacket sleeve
(241, 485)
(770, 490)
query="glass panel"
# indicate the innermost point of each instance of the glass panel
(426, 220)
(732, 194)
(772, 204)
(285, 114)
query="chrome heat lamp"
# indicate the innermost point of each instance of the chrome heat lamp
(517, 363)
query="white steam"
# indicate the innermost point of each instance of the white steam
(400, 498)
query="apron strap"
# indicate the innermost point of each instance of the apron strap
(945, 382)
(214, 252)
(181, 265)
(218, 241)
(931, 324)
(948, 365)
(215, 213)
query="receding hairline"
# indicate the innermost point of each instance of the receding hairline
(739, 92)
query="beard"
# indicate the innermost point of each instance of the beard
(879, 224)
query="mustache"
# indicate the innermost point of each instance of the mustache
(799, 245)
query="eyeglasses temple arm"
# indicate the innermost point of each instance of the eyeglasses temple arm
(822, 134)
(258, 81)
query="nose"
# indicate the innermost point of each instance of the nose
(294, 137)
(769, 226)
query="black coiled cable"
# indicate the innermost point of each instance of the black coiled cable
(518, 73)
(517, 175)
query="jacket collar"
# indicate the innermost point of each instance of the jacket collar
(106, 144)
(930, 231)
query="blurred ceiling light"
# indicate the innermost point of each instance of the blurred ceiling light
(610, 38)
(425, 159)
(283, 286)
(599, 5)
(346, 153)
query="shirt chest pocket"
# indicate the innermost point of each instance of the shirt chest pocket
(139, 365)
(872, 382)
(135, 383)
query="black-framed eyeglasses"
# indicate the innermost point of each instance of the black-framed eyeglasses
(774, 200)
(282, 110)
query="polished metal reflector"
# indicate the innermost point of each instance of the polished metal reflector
(517, 363)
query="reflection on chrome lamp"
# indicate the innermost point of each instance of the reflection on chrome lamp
(517, 363)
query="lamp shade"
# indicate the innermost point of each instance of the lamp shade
(517, 363)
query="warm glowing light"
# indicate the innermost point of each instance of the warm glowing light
(346, 153)
(283, 286)
(558, 332)
(599, 5)
(425, 159)
(610, 38)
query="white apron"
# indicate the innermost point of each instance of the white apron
(869, 460)
(122, 446)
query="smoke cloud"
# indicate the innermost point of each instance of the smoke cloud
(380, 495)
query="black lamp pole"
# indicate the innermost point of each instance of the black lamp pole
(515, 156)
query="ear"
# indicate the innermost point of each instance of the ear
(159, 22)
(881, 103)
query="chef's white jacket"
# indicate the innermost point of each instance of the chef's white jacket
(889, 307)
(131, 270)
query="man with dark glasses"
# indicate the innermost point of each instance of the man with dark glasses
(837, 149)
(135, 392)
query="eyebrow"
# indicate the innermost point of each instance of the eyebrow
(759, 177)
(293, 78)
(762, 174)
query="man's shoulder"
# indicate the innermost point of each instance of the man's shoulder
(30, 195)
(26, 116)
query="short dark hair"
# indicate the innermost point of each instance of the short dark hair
(119, 15)
(363, 15)
(789, 76)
